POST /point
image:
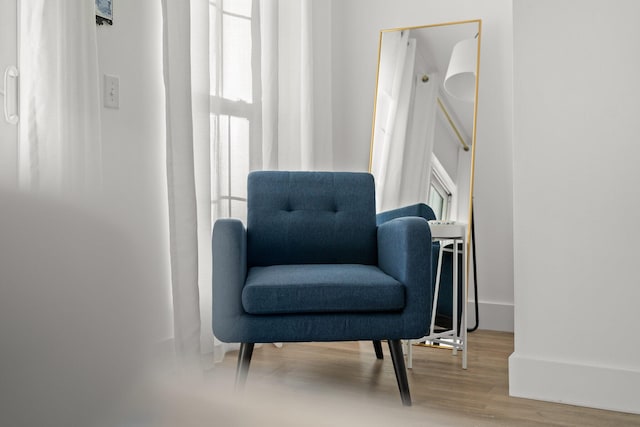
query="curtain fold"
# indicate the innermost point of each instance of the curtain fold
(185, 133)
(270, 82)
(202, 161)
(419, 142)
(304, 94)
(307, 117)
(60, 128)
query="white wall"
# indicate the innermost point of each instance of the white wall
(576, 127)
(134, 143)
(356, 26)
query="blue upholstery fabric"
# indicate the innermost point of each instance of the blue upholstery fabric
(423, 211)
(319, 218)
(418, 209)
(311, 218)
(403, 246)
(444, 311)
(320, 288)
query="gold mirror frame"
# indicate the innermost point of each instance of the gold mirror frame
(472, 135)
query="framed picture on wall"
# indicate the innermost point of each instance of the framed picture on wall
(104, 12)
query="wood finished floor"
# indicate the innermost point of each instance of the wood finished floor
(442, 393)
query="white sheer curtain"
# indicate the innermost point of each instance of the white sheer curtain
(304, 74)
(222, 122)
(185, 31)
(60, 101)
(283, 120)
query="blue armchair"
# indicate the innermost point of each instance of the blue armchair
(312, 265)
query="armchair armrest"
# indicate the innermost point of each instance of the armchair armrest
(229, 248)
(404, 252)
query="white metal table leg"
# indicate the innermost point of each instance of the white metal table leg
(456, 336)
(436, 291)
(454, 286)
(465, 295)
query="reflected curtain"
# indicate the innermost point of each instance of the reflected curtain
(392, 114)
(404, 124)
(420, 138)
(60, 129)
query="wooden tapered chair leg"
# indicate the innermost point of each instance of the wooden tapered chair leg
(377, 346)
(395, 347)
(244, 360)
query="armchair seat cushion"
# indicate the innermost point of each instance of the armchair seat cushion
(321, 288)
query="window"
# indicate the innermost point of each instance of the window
(233, 66)
(441, 190)
(439, 199)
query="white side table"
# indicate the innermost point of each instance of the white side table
(444, 232)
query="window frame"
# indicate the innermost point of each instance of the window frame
(441, 182)
(220, 106)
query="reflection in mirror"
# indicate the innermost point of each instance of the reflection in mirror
(423, 139)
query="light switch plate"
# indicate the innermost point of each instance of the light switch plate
(111, 91)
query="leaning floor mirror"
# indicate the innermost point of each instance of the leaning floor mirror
(424, 124)
(422, 151)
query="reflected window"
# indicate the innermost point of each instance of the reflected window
(439, 200)
(441, 191)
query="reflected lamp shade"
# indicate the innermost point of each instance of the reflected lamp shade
(460, 80)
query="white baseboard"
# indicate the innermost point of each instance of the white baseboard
(493, 316)
(582, 385)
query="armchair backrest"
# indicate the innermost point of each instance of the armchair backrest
(311, 218)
